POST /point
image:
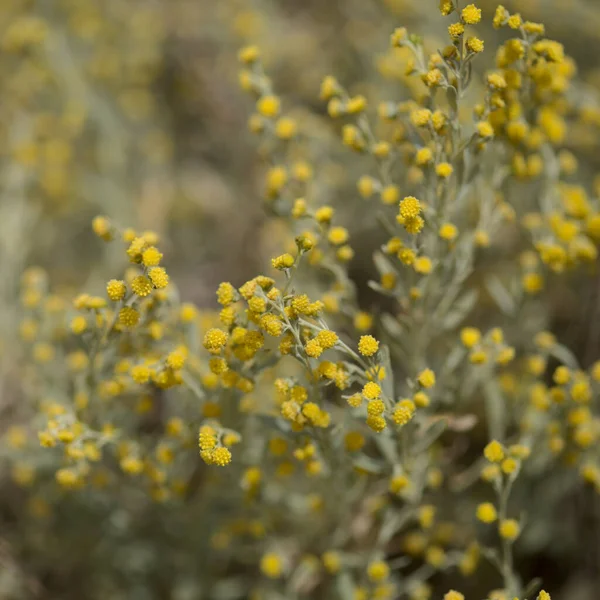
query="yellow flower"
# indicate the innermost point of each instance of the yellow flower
(486, 512)
(404, 411)
(475, 45)
(332, 561)
(271, 565)
(159, 277)
(129, 316)
(453, 595)
(285, 261)
(444, 170)
(151, 257)
(141, 286)
(456, 30)
(249, 54)
(426, 378)
(494, 452)
(470, 336)
(368, 345)
(371, 391)
(378, 571)
(116, 289)
(215, 340)
(509, 529)
(268, 106)
(448, 231)
(410, 207)
(471, 14)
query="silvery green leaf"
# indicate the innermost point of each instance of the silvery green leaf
(374, 285)
(387, 446)
(501, 296)
(345, 586)
(451, 94)
(368, 464)
(387, 384)
(382, 263)
(532, 587)
(565, 356)
(462, 307)
(393, 522)
(495, 408)
(228, 589)
(426, 438)
(456, 356)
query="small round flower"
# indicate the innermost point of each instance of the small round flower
(67, 478)
(313, 348)
(151, 257)
(453, 595)
(363, 321)
(412, 226)
(398, 36)
(423, 265)
(116, 289)
(249, 54)
(129, 316)
(271, 565)
(470, 336)
(486, 512)
(159, 277)
(478, 357)
(420, 117)
(456, 30)
(355, 400)
(448, 231)
(354, 441)
(285, 261)
(543, 595)
(494, 452)
(366, 186)
(327, 339)
(471, 14)
(378, 570)
(371, 390)
(444, 170)
(141, 286)
(390, 194)
(221, 456)
(368, 345)
(410, 208)
(404, 411)
(509, 465)
(285, 128)
(423, 156)
(102, 228)
(426, 378)
(484, 129)
(176, 359)
(215, 340)
(225, 293)
(140, 374)
(474, 44)
(78, 324)
(332, 561)
(509, 529)
(375, 408)
(446, 7)
(562, 375)
(496, 80)
(268, 106)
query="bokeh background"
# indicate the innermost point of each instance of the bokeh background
(132, 109)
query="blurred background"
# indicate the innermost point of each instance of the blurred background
(132, 109)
